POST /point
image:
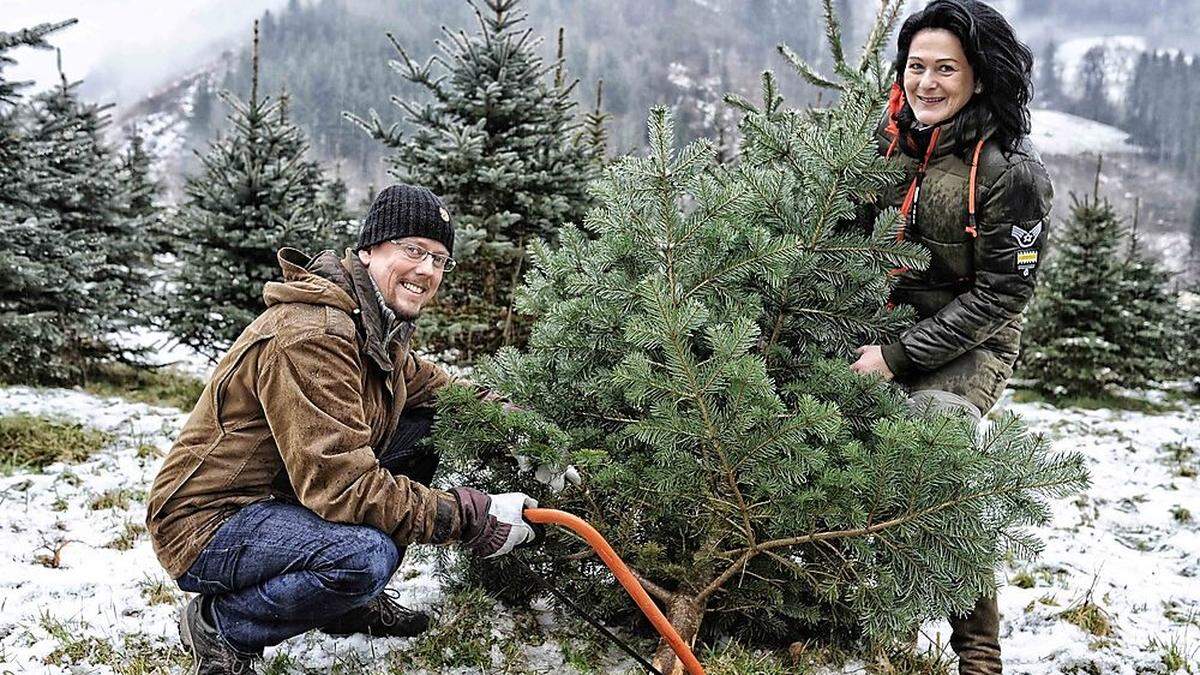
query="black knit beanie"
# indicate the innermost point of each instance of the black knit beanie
(406, 211)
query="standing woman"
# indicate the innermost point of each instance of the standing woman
(975, 194)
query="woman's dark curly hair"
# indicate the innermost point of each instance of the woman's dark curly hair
(1002, 64)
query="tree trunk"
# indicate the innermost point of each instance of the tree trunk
(685, 614)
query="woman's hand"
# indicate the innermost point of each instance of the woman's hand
(870, 360)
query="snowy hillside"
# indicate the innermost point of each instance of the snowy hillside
(82, 591)
(1060, 133)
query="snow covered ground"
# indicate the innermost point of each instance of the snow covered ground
(1129, 545)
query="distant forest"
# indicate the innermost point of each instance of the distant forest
(332, 55)
(1160, 107)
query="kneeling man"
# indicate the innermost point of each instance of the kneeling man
(300, 476)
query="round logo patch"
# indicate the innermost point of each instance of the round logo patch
(445, 214)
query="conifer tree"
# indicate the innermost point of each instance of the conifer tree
(498, 140)
(142, 193)
(1093, 102)
(78, 262)
(257, 193)
(200, 121)
(1187, 356)
(1194, 242)
(691, 354)
(1049, 90)
(35, 268)
(595, 130)
(1149, 313)
(1070, 344)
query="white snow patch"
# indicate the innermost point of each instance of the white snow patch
(1060, 133)
(677, 74)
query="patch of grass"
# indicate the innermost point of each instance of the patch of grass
(735, 659)
(1181, 515)
(1177, 612)
(1040, 575)
(1109, 401)
(1177, 655)
(804, 657)
(1022, 579)
(281, 664)
(73, 646)
(156, 386)
(135, 654)
(32, 442)
(117, 498)
(911, 662)
(158, 591)
(129, 535)
(1183, 458)
(1090, 617)
(454, 640)
(582, 647)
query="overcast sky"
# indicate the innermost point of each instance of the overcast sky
(126, 47)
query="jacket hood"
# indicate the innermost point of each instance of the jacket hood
(342, 283)
(312, 280)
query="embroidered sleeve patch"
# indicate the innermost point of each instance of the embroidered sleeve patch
(1026, 237)
(1027, 261)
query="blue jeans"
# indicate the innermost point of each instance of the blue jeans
(276, 569)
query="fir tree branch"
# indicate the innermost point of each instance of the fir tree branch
(899, 520)
(833, 32)
(885, 21)
(716, 584)
(660, 126)
(652, 588)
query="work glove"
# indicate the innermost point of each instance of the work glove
(492, 525)
(553, 476)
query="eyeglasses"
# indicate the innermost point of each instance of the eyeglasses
(418, 254)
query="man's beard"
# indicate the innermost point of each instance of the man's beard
(405, 316)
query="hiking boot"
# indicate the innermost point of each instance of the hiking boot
(211, 654)
(382, 616)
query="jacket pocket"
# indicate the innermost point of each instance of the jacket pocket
(183, 465)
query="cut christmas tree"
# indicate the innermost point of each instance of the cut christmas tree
(690, 354)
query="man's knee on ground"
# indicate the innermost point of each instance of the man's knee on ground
(363, 564)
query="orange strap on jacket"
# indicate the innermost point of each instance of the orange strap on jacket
(970, 228)
(621, 571)
(913, 188)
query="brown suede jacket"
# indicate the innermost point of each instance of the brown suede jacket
(310, 387)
